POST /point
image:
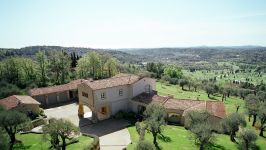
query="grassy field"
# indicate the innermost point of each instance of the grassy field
(36, 142)
(253, 76)
(179, 137)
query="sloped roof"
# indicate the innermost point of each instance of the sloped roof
(215, 108)
(119, 80)
(15, 100)
(150, 98)
(181, 104)
(58, 88)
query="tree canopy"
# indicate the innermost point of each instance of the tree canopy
(60, 128)
(12, 122)
(232, 123)
(155, 116)
(200, 126)
(173, 71)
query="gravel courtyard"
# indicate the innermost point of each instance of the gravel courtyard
(113, 133)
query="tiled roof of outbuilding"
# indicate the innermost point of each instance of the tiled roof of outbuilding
(53, 89)
(215, 108)
(14, 100)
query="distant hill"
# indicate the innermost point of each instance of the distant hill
(247, 54)
(183, 56)
(32, 50)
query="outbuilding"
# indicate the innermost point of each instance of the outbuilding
(18, 102)
(54, 95)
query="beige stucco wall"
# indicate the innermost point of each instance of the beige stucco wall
(139, 86)
(112, 94)
(85, 100)
(101, 116)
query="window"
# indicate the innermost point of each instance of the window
(103, 110)
(103, 96)
(120, 92)
(85, 94)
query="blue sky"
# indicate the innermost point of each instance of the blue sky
(132, 23)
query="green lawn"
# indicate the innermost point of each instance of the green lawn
(36, 142)
(180, 138)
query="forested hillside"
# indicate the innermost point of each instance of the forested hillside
(32, 50)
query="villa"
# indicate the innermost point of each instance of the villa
(133, 93)
(106, 97)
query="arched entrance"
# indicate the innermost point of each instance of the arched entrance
(85, 112)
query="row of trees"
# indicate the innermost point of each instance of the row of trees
(40, 70)
(54, 68)
(97, 66)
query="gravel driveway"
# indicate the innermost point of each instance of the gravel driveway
(113, 133)
(69, 112)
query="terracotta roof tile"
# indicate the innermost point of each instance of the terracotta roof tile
(121, 79)
(58, 88)
(15, 100)
(150, 98)
(215, 108)
(181, 104)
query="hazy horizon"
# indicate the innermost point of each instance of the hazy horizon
(132, 24)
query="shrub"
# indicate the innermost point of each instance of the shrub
(145, 145)
(119, 115)
(125, 115)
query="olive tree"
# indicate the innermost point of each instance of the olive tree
(183, 82)
(3, 140)
(211, 88)
(200, 126)
(12, 122)
(231, 124)
(262, 117)
(155, 116)
(252, 105)
(141, 129)
(60, 128)
(247, 138)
